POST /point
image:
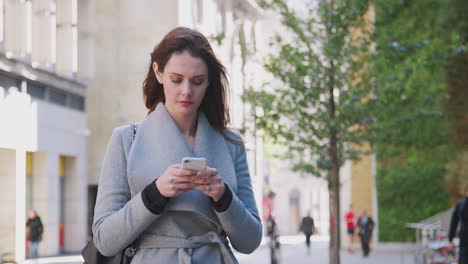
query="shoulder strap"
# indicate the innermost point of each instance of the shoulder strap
(130, 251)
(461, 208)
(134, 128)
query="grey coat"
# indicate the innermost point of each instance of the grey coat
(189, 230)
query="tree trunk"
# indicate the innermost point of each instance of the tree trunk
(334, 173)
(334, 203)
(334, 190)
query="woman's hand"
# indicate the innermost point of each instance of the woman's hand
(175, 181)
(209, 182)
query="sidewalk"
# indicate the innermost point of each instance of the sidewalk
(72, 259)
(293, 250)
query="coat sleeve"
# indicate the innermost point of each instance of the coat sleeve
(241, 220)
(301, 226)
(454, 223)
(118, 218)
(40, 227)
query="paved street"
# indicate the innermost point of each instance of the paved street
(293, 250)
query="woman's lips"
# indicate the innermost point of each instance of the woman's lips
(185, 103)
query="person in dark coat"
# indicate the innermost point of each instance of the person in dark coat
(34, 229)
(307, 227)
(366, 226)
(272, 231)
(460, 215)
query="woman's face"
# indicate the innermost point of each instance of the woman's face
(185, 79)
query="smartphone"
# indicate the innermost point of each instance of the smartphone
(192, 163)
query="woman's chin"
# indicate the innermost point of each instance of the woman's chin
(186, 111)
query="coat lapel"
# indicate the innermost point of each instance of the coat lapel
(159, 143)
(210, 144)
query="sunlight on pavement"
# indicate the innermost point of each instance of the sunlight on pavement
(292, 250)
(299, 239)
(63, 259)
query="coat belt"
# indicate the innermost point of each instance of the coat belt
(185, 246)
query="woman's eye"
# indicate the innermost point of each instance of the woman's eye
(176, 80)
(197, 82)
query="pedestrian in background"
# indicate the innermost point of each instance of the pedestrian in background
(366, 226)
(273, 233)
(460, 215)
(307, 227)
(350, 219)
(34, 231)
(178, 215)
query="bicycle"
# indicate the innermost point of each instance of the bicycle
(435, 252)
(421, 256)
(6, 261)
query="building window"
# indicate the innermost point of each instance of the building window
(36, 91)
(8, 81)
(57, 97)
(76, 102)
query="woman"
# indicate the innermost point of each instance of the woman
(34, 230)
(178, 216)
(350, 224)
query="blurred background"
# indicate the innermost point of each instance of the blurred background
(72, 70)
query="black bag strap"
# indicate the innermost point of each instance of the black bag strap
(132, 248)
(460, 213)
(134, 129)
(92, 255)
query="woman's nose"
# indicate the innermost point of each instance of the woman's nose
(187, 88)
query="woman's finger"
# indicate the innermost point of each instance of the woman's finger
(182, 172)
(183, 186)
(214, 189)
(212, 171)
(206, 180)
(180, 179)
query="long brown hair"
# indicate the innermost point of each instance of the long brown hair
(181, 39)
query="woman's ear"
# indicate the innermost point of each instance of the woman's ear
(157, 73)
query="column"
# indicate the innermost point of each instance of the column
(45, 188)
(15, 28)
(53, 204)
(1, 24)
(43, 33)
(67, 37)
(20, 195)
(75, 204)
(7, 200)
(86, 34)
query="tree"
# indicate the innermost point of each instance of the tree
(457, 108)
(319, 108)
(418, 88)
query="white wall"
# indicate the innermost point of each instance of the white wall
(313, 196)
(125, 36)
(48, 131)
(7, 200)
(74, 204)
(41, 126)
